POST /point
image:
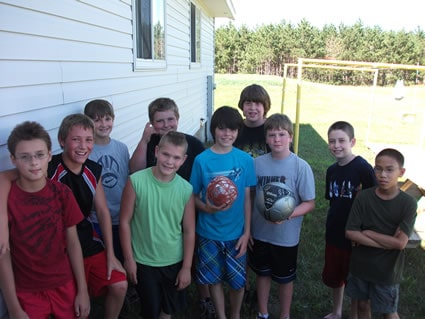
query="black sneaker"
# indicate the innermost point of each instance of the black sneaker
(206, 309)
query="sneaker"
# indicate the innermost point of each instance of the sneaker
(261, 316)
(206, 309)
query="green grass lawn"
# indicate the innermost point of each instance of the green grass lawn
(378, 119)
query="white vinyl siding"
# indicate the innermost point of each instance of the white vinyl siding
(55, 56)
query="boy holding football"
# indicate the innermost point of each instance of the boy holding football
(274, 245)
(223, 231)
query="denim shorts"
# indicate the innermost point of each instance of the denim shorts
(383, 298)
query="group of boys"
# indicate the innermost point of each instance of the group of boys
(48, 218)
(368, 225)
(164, 203)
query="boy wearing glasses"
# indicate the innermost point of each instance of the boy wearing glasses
(105, 275)
(379, 225)
(42, 274)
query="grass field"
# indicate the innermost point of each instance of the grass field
(378, 119)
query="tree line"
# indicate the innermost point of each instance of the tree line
(266, 48)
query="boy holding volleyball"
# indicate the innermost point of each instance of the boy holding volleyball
(223, 231)
(274, 245)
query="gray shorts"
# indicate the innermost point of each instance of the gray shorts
(383, 298)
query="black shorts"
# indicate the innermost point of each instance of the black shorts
(277, 262)
(157, 290)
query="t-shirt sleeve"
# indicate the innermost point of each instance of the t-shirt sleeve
(409, 215)
(368, 178)
(306, 187)
(353, 222)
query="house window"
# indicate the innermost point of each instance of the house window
(195, 34)
(149, 33)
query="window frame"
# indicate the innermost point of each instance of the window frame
(195, 34)
(141, 63)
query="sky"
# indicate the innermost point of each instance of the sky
(394, 15)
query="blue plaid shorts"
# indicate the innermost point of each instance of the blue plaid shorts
(216, 263)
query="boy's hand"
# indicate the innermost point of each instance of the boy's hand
(251, 243)
(183, 278)
(211, 208)
(82, 305)
(147, 132)
(397, 232)
(278, 222)
(114, 264)
(131, 268)
(242, 244)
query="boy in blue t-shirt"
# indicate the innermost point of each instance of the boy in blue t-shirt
(223, 231)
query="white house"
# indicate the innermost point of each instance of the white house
(55, 56)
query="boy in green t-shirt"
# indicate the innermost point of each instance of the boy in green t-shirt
(157, 229)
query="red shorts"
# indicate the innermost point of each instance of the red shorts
(56, 303)
(96, 274)
(337, 266)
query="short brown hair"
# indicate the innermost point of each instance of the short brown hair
(175, 138)
(278, 121)
(255, 93)
(343, 126)
(72, 120)
(162, 104)
(27, 131)
(98, 109)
